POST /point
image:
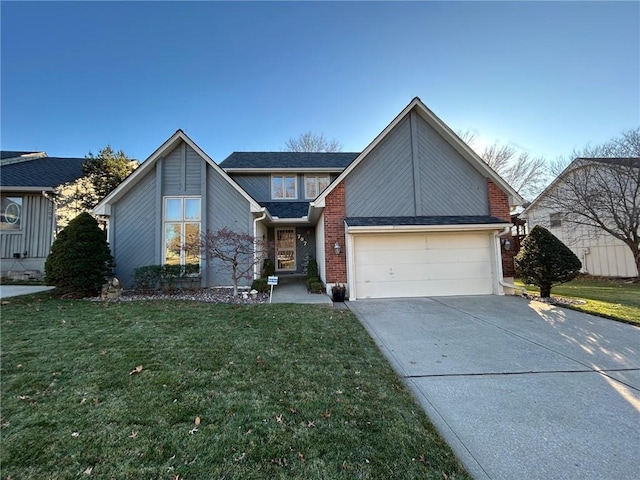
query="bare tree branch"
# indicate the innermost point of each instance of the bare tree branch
(237, 253)
(311, 142)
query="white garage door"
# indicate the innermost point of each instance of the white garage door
(420, 264)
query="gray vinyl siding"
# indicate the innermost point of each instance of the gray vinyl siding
(449, 185)
(382, 184)
(35, 237)
(137, 221)
(258, 186)
(414, 171)
(226, 207)
(181, 171)
(134, 234)
(305, 252)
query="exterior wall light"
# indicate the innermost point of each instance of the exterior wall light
(336, 248)
(506, 244)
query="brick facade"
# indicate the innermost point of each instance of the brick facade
(334, 214)
(499, 207)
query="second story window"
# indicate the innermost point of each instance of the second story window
(284, 187)
(314, 185)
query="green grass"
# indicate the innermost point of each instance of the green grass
(283, 391)
(609, 298)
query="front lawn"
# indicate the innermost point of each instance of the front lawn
(609, 298)
(279, 391)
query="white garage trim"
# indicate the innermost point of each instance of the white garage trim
(477, 254)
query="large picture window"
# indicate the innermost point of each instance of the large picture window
(181, 229)
(314, 185)
(11, 213)
(284, 187)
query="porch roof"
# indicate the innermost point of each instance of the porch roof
(287, 209)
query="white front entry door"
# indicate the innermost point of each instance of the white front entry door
(286, 249)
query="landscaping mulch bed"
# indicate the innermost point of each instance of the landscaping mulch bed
(207, 295)
(558, 301)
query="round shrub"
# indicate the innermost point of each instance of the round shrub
(80, 259)
(544, 261)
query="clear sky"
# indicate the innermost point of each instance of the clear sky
(244, 76)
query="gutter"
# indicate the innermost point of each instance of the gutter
(429, 228)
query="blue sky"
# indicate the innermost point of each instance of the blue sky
(545, 76)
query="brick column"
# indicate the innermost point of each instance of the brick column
(499, 207)
(334, 213)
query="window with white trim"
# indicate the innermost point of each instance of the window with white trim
(314, 185)
(11, 213)
(284, 187)
(181, 230)
(555, 219)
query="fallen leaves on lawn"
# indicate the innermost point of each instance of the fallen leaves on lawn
(279, 418)
(75, 434)
(311, 423)
(280, 462)
(138, 369)
(327, 414)
(300, 457)
(88, 471)
(259, 361)
(197, 422)
(133, 434)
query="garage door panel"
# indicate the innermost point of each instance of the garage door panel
(389, 257)
(411, 265)
(391, 242)
(462, 255)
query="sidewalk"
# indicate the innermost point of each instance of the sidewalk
(294, 290)
(16, 290)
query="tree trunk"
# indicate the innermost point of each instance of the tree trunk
(545, 291)
(234, 280)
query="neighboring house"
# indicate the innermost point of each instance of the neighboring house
(28, 181)
(416, 213)
(601, 253)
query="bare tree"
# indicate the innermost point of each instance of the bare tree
(311, 142)
(600, 191)
(237, 253)
(526, 174)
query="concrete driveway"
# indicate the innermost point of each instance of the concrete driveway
(519, 389)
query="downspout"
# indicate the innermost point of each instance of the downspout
(499, 260)
(54, 221)
(255, 235)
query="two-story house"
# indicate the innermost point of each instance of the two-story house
(416, 213)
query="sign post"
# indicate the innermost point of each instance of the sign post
(272, 280)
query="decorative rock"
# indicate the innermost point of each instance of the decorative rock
(112, 290)
(254, 292)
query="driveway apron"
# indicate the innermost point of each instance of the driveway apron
(518, 388)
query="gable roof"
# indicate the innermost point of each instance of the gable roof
(104, 207)
(632, 162)
(43, 173)
(445, 132)
(299, 161)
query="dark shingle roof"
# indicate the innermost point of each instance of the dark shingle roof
(426, 220)
(14, 154)
(287, 209)
(41, 172)
(288, 160)
(625, 162)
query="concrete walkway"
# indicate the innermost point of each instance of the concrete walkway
(294, 290)
(16, 290)
(518, 388)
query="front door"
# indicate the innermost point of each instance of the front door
(286, 249)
